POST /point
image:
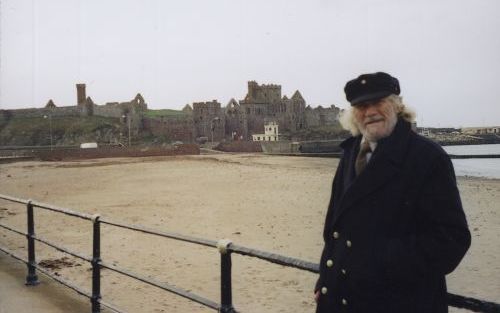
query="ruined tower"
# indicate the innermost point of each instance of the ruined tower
(209, 120)
(80, 94)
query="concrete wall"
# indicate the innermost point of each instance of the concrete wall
(283, 146)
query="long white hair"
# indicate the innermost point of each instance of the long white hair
(348, 121)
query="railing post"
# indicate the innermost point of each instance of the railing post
(32, 278)
(96, 268)
(225, 287)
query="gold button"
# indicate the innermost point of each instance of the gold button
(344, 271)
(335, 235)
(348, 243)
(329, 263)
(324, 290)
(344, 301)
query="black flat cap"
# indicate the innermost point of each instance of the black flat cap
(370, 87)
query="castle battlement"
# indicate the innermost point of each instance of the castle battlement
(206, 105)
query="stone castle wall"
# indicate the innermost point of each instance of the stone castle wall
(108, 111)
(236, 122)
(262, 93)
(263, 103)
(289, 113)
(175, 128)
(321, 116)
(209, 120)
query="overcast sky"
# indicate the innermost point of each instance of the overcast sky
(446, 53)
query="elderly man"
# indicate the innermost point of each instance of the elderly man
(395, 224)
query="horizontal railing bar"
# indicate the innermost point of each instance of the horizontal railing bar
(61, 210)
(48, 243)
(275, 258)
(47, 207)
(13, 230)
(453, 300)
(164, 286)
(200, 241)
(474, 156)
(13, 199)
(472, 304)
(53, 245)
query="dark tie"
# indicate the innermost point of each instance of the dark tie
(361, 160)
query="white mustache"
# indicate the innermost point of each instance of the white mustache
(373, 119)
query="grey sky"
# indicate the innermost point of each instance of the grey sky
(446, 53)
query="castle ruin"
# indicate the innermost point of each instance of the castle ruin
(238, 120)
(262, 104)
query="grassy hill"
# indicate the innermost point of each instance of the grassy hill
(65, 130)
(317, 133)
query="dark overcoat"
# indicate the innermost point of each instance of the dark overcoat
(392, 233)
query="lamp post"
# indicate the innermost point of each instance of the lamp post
(212, 126)
(50, 128)
(128, 123)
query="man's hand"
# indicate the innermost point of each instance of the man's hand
(316, 296)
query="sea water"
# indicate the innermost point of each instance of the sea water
(489, 168)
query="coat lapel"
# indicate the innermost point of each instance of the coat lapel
(384, 165)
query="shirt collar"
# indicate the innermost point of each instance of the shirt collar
(373, 144)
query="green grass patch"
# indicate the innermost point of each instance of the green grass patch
(38, 130)
(318, 133)
(163, 112)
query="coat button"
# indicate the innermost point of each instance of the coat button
(344, 271)
(344, 301)
(348, 243)
(335, 235)
(329, 263)
(324, 290)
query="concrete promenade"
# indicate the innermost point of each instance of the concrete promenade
(47, 297)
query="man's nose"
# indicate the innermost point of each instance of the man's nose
(371, 110)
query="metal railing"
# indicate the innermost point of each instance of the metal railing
(224, 247)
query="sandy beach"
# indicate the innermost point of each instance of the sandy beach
(267, 202)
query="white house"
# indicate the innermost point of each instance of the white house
(270, 133)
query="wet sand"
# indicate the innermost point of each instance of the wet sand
(266, 202)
